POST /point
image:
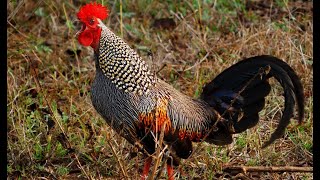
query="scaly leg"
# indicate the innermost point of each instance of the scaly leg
(170, 171)
(146, 168)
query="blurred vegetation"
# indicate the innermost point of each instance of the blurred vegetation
(53, 130)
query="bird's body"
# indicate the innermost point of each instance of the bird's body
(129, 106)
(137, 105)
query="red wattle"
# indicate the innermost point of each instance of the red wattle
(85, 38)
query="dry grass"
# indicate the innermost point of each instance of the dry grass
(49, 77)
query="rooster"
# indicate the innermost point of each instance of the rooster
(139, 106)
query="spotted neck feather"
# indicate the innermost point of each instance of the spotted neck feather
(122, 65)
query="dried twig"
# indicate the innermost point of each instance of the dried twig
(164, 162)
(197, 63)
(246, 169)
(124, 172)
(121, 21)
(22, 34)
(161, 68)
(158, 153)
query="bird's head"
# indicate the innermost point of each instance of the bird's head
(91, 15)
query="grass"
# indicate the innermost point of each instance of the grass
(53, 130)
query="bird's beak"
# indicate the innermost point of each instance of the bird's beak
(81, 30)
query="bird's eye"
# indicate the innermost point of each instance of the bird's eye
(91, 21)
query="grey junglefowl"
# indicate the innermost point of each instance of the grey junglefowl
(139, 106)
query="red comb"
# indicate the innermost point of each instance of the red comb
(92, 9)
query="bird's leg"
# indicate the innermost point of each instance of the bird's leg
(146, 167)
(170, 171)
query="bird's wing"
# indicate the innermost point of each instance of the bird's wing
(180, 114)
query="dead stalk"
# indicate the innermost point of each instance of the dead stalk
(158, 154)
(274, 169)
(123, 170)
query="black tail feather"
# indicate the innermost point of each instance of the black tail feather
(246, 79)
(298, 88)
